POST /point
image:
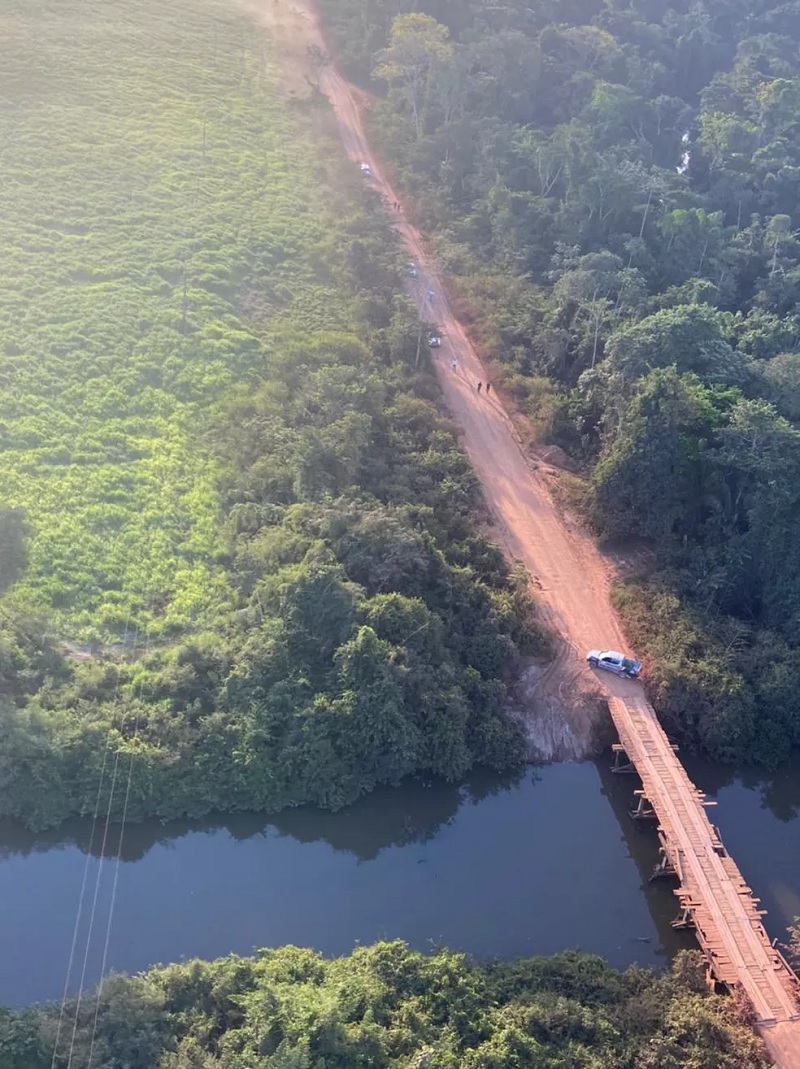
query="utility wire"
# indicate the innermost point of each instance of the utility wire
(117, 867)
(85, 880)
(102, 855)
(98, 881)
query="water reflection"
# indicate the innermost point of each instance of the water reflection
(497, 868)
(758, 814)
(386, 818)
(641, 841)
(779, 791)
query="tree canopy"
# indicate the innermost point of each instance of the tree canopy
(612, 188)
(238, 539)
(385, 1006)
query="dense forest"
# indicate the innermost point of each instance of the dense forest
(386, 1006)
(613, 188)
(241, 559)
(240, 545)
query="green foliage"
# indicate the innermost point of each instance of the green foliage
(237, 538)
(721, 684)
(118, 306)
(614, 188)
(13, 548)
(781, 378)
(416, 62)
(646, 479)
(385, 1006)
(688, 338)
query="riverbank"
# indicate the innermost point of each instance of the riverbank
(386, 1007)
(498, 868)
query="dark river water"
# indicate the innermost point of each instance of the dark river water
(498, 867)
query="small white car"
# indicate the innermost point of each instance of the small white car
(614, 662)
(434, 341)
(366, 170)
(412, 269)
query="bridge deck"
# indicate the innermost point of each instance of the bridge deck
(711, 888)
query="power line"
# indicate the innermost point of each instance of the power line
(195, 198)
(118, 861)
(94, 910)
(85, 879)
(99, 865)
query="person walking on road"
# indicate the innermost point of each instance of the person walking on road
(454, 363)
(479, 386)
(488, 388)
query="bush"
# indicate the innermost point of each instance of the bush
(386, 1006)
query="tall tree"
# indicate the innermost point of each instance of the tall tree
(419, 50)
(647, 475)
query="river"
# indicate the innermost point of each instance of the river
(498, 867)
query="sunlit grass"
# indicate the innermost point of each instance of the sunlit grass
(157, 195)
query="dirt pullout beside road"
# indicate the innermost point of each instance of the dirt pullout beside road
(571, 578)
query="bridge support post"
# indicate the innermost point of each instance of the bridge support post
(664, 866)
(684, 919)
(622, 763)
(643, 810)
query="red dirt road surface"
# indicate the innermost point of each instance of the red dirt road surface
(572, 582)
(571, 577)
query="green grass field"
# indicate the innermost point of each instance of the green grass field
(158, 192)
(217, 438)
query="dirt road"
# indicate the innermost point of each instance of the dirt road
(572, 585)
(570, 576)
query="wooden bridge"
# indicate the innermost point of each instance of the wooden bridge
(713, 897)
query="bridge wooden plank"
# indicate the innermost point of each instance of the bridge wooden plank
(728, 924)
